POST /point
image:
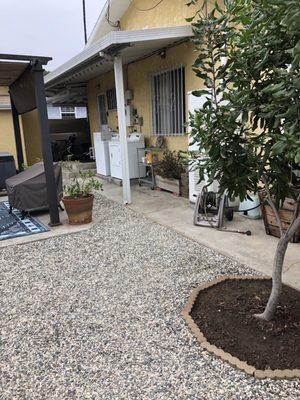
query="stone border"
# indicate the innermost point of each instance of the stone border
(218, 352)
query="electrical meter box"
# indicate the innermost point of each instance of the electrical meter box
(130, 116)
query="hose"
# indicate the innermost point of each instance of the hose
(211, 199)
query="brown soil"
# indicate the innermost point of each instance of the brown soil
(224, 313)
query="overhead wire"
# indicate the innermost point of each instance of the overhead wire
(113, 24)
(146, 9)
(116, 24)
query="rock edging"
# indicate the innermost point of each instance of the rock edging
(218, 352)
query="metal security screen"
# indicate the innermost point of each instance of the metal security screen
(168, 102)
(111, 99)
(102, 109)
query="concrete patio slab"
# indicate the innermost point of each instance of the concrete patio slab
(256, 251)
(63, 229)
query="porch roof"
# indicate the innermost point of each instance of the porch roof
(97, 58)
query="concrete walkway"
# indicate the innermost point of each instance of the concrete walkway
(256, 251)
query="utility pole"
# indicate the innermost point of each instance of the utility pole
(84, 21)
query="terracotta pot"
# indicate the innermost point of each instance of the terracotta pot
(79, 210)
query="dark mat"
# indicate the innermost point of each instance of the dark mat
(12, 225)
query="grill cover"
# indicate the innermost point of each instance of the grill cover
(27, 191)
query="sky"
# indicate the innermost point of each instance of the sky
(52, 28)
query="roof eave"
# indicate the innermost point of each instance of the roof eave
(116, 38)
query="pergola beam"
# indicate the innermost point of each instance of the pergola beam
(22, 57)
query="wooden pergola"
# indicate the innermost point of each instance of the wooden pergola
(24, 76)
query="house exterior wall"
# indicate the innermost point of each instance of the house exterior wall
(32, 138)
(7, 134)
(137, 78)
(95, 87)
(138, 74)
(167, 13)
(7, 139)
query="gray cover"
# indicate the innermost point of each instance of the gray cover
(27, 190)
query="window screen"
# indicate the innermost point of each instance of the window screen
(102, 109)
(168, 102)
(111, 99)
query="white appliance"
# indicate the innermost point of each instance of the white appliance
(253, 213)
(101, 150)
(134, 141)
(195, 187)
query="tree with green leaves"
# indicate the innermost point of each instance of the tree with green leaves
(249, 125)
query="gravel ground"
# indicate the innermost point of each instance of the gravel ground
(96, 315)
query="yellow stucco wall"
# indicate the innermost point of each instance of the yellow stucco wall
(32, 139)
(7, 139)
(95, 87)
(167, 13)
(138, 79)
(30, 134)
(7, 136)
(138, 74)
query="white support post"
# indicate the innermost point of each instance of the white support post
(119, 80)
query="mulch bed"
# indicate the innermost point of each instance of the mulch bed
(224, 314)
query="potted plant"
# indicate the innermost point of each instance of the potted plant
(78, 195)
(169, 172)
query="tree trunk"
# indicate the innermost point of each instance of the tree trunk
(273, 301)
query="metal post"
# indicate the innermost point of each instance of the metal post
(41, 105)
(119, 80)
(18, 140)
(84, 21)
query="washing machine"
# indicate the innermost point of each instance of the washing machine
(101, 145)
(134, 141)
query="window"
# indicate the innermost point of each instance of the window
(168, 102)
(67, 112)
(102, 109)
(111, 99)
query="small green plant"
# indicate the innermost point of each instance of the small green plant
(171, 165)
(82, 183)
